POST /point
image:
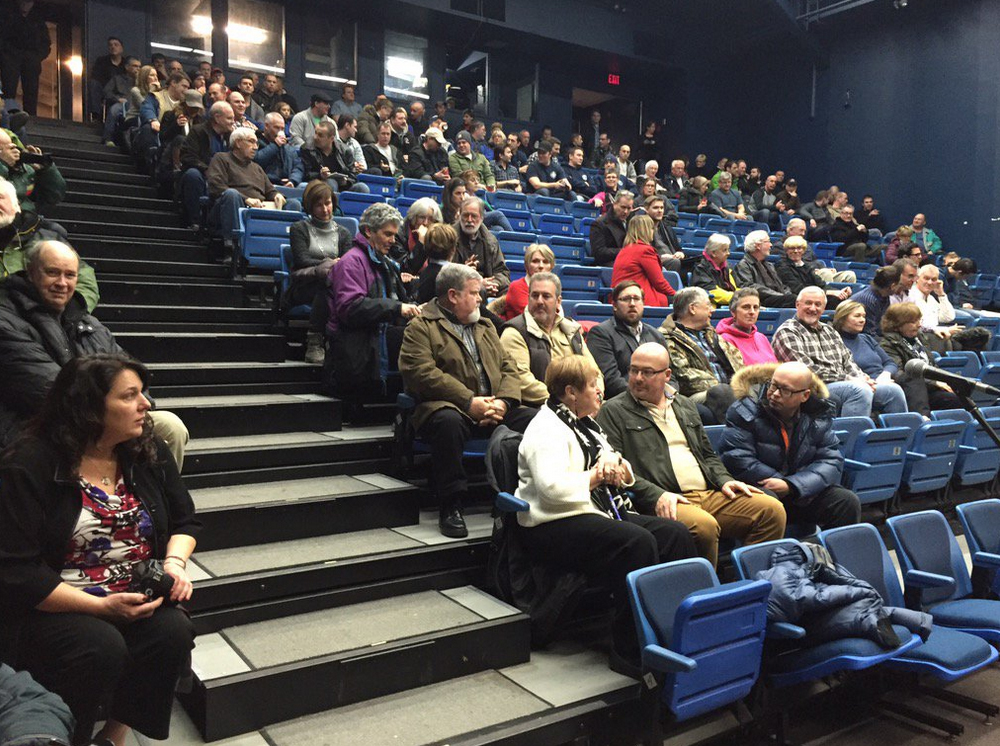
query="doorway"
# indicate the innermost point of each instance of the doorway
(620, 117)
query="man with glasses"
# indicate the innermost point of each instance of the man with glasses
(797, 273)
(677, 473)
(782, 440)
(612, 342)
(806, 339)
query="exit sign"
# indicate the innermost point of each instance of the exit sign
(614, 79)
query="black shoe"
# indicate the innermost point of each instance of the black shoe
(18, 121)
(451, 522)
(624, 665)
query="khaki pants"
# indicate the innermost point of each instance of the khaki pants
(169, 427)
(711, 515)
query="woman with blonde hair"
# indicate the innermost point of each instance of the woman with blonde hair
(537, 258)
(639, 262)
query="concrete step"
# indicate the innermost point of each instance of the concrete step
(298, 507)
(88, 185)
(195, 374)
(125, 267)
(95, 226)
(216, 416)
(121, 292)
(255, 674)
(157, 347)
(67, 211)
(370, 463)
(99, 197)
(76, 170)
(96, 153)
(99, 167)
(207, 315)
(183, 251)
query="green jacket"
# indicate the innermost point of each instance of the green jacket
(439, 372)
(457, 164)
(27, 230)
(632, 432)
(34, 185)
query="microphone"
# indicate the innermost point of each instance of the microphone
(960, 384)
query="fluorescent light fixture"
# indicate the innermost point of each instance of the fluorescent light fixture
(175, 48)
(330, 79)
(202, 25)
(404, 69)
(255, 66)
(405, 92)
(75, 65)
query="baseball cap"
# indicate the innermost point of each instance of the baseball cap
(193, 100)
(433, 133)
(320, 98)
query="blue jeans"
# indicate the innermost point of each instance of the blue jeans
(113, 122)
(193, 188)
(497, 218)
(856, 399)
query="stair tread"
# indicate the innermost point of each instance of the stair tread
(176, 402)
(282, 440)
(224, 365)
(294, 490)
(198, 335)
(362, 626)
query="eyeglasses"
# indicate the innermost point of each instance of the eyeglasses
(645, 372)
(783, 391)
(630, 299)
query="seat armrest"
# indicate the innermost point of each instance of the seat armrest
(850, 463)
(406, 402)
(280, 276)
(785, 631)
(967, 449)
(507, 503)
(986, 559)
(921, 579)
(916, 456)
(667, 661)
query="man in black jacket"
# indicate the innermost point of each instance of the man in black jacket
(612, 342)
(44, 323)
(202, 142)
(755, 271)
(326, 161)
(607, 233)
(579, 180)
(429, 160)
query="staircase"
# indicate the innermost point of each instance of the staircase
(328, 606)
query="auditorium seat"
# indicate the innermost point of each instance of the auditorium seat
(520, 220)
(420, 188)
(384, 186)
(978, 459)
(931, 453)
(540, 205)
(353, 204)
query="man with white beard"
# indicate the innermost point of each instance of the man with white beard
(479, 248)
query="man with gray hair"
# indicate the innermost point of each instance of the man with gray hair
(280, 161)
(728, 200)
(235, 181)
(202, 143)
(702, 363)
(607, 233)
(44, 323)
(453, 364)
(806, 339)
(753, 270)
(479, 248)
(677, 181)
(540, 334)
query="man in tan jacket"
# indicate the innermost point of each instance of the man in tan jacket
(452, 362)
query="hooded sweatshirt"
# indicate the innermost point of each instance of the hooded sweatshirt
(754, 346)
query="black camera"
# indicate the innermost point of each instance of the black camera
(149, 579)
(39, 159)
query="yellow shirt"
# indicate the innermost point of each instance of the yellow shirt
(685, 465)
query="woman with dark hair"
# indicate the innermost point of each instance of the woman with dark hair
(903, 341)
(317, 242)
(452, 198)
(693, 198)
(440, 243)
(88, 498)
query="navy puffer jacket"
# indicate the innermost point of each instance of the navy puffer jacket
(753, 449)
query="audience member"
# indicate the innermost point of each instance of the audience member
(612, 342)
(464, 159)
(665, 241)
(693, 198)
(346, 104)
(235, 181)
(215, 92)
(36, 184)
(546, 177)
(650, 169)
(328, 161)
(638, 261)
(850, 320)
(347, 144)
(740, 329)
(712, 273)
(875, 298)
(766, 206)
(846, 230)
(402, 136)
(115, 98)
(31, 715)
(790, 196)
(700, 167)
(303, 126)
(159, 102)
(626, 169)
(429, 160)
(371, 118)
(537, 258)
(904, 283)
(902, 246)
(579, 517)
(384, 158)
(607, 233)
(592, 132)
(197, 151)
(938, 315)
(956, 284)
(439, 244)
(902, 340)
(796, 274)
(677, 181)
(254, 111)
(479, 248)
(783, 440)
(540, 335)
(677, 473)
(797, 227)
(44, 323)
(753, 270)
(418, 118)
(870, 217)
(648, 149)
(703, 363)
(806, 339)
(923, 236)
(239, 103)
(317, 243)
(606, 197)
(24, 45)
(817, 218)
(280, 161)
(102, 72)
(408, 250)
(602, 153)
(505, 172)
(452, 362)
(369, 305)
(728, 200)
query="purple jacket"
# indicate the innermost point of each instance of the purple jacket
(358, 297)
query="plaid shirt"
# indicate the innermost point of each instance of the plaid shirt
(820, 347)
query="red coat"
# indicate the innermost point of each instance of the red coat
(517, 299)
(641, 263)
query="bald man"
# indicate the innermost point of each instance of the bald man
(44, 323)
(677, 473)
(782, 440)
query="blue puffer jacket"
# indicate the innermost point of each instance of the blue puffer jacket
(753, 449)
(279, 162)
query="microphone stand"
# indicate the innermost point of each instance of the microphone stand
(972, 408)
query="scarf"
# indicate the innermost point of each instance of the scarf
(609, 501)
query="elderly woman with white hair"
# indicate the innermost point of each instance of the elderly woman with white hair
(369, 305)
(408, 249)
(712, 273)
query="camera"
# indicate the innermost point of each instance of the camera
(39, 159)
(149, 579)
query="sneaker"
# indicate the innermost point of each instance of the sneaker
(315, 348)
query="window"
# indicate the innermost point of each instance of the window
(256, 33)
(182, 29)
(405, 65)
(330, 51)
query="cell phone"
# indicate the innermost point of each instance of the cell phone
(41, 159)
